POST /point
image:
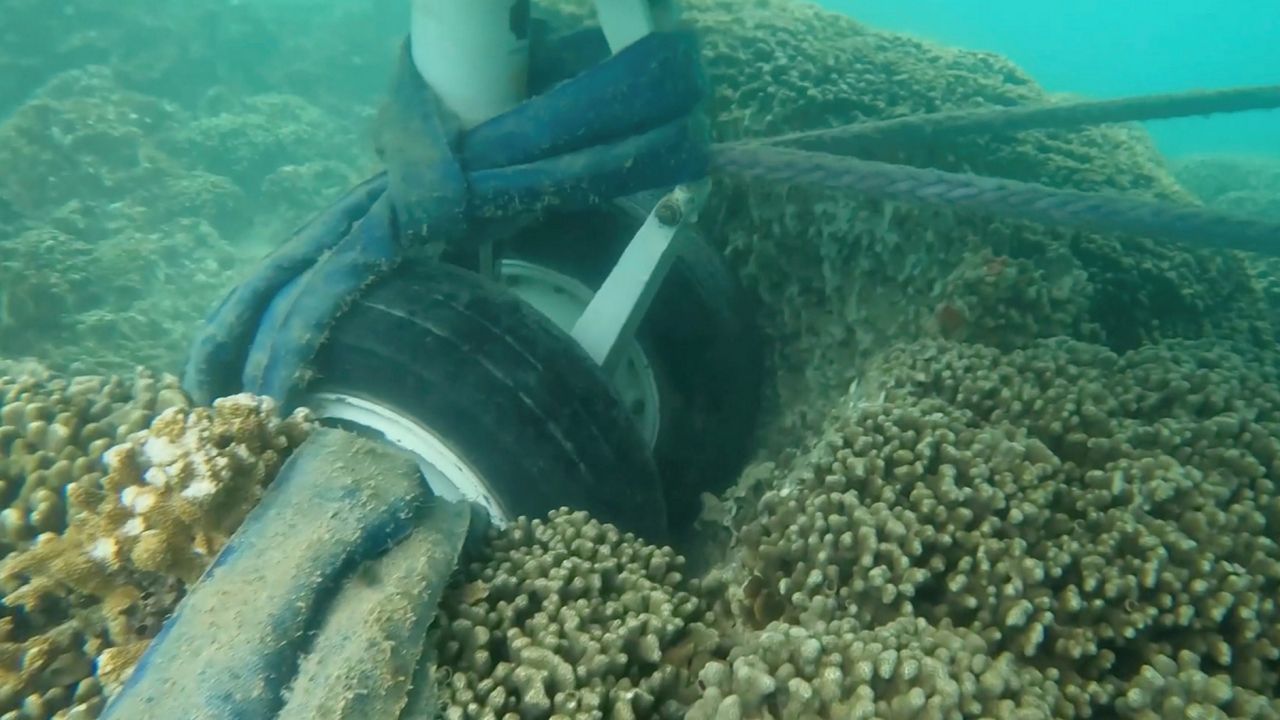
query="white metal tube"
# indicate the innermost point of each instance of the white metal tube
(609, 322)
(473, 53)
(624, 21)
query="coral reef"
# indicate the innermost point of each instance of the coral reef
(82, 139)
(903, 669)
(167, 502)
(1239, 184)
(118, 495)
(570, 618)
(1057, 531)
(1054, 532)
(131, 216)
(181, 50)
(247, 139)
(53, 431)
(127, 299)
(1065, 531)
(110, 229)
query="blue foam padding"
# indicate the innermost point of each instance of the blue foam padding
(651, 81)
(423, 175)
(666, 156)
(234, 643)
(221, 345)
(297, 320)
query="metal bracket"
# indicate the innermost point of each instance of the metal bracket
(615, 311)
(624, 21)
(611, 318)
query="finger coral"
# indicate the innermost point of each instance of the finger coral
(566, 617)
(1101, 527)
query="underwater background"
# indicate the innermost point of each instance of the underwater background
(1103, 49)
(1004, 470)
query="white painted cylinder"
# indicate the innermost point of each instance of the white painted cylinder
(469, 53)
(624, 21)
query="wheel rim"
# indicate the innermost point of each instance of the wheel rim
(563, 299)
(448, 474)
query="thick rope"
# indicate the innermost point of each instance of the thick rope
(947, 125)
(1194, 226)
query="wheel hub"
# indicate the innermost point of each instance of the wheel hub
(448, 474)
(563, 299)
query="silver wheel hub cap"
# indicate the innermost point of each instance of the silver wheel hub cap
(563, 299)
(448, 474)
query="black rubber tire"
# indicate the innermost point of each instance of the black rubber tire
(502, 386)
(699, 333)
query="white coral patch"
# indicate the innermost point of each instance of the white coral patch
(115, 455)
(159, 451)
(157, 476)
(134, 527)
(263, 403)
(105, 550)
(202, 487)
(139, 498)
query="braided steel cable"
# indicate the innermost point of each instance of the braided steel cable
(946, 125)
(1193, 226)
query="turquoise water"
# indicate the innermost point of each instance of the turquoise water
(1112, 49)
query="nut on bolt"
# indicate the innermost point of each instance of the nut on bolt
(669, 211)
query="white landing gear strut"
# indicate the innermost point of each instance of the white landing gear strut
(474, 54)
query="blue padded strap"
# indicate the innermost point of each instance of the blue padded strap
(650, 81)
(235, 641)
(221, 346)
(423, 173)
(284, 344)
(668, 155)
